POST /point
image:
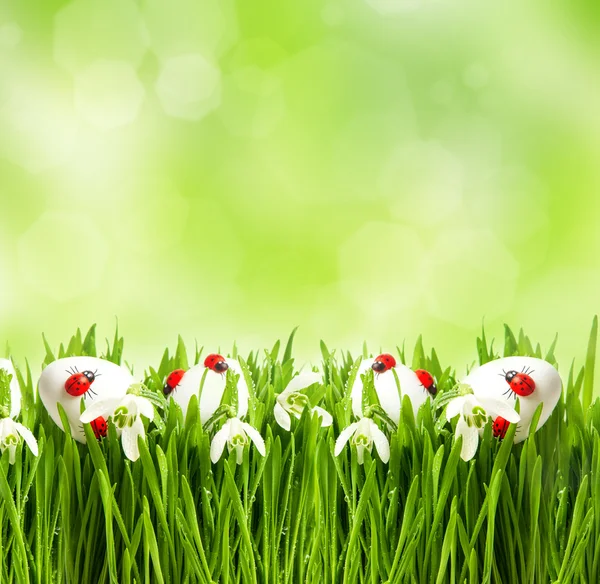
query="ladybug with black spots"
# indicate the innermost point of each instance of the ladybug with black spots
(80, 383)
(500, 427)
(427, 381)
(521, 384)
(173, 380)
(100, 427)
(216, 363)
(383, 363)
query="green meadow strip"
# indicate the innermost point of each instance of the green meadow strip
(527, 512)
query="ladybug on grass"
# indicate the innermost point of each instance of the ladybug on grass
(519, 383)
(383, 363)
(216, 363)
(173, 380)
(427, 381)
(80, 383)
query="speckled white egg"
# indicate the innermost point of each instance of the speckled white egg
(15, 390)
(212, 390)
(489, 380)
(110, 381)
(387, 390)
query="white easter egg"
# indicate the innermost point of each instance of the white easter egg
(387, 390)
(489, 380)
(212, 390)
(109, 381)
(15, 390)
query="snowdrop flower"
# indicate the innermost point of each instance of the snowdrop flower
(292, 401)
(363, 434)
(474, 413)
(11, 433)
(237, 435)
(125, 413)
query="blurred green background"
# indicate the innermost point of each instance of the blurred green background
(367, 169)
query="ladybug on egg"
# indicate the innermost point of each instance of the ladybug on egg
(383, 363)
(216, 363)
(173, 380)
(80, 383)
(427, 381)
(521, 384)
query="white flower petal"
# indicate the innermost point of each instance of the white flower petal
(129, 439)
(381, 443)
(470, 438)
(255, 437)
(454, 407)
(7, 427)
(28, 437)
(344, 437)
(282, 417)
(218, 442)
(303, 381)
(144, 407)
(104, 408)
(326, 418)
(495, 407)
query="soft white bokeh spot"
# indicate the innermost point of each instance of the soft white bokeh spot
(424, 183)
(189, 87)
(108, 94)
(62, 255)
(114, 30)
(10, 35)
(253, 102)
(37, 123)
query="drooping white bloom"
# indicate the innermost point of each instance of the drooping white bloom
(125, 413)
(291, 401)
(474, 413)
(237, 435)
(363, 434)
(11, 433)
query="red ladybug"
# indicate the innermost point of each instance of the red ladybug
(99, 427)
(80, 383)
(427, 381)
(500, 427)
(519, 383)
(173, 381)
(216, 363)
(383, 363)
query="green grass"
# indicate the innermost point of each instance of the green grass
(515, 513)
